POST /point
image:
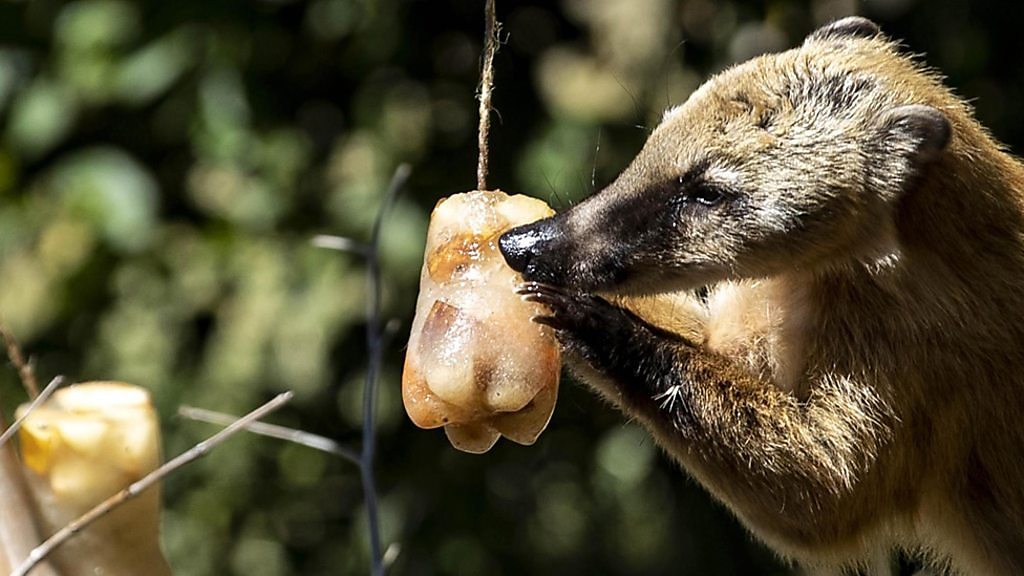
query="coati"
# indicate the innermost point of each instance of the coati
(809, 287)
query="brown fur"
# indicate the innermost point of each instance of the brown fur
(852, 381)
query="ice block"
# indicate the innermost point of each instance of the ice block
(476, 364)
(86, 443)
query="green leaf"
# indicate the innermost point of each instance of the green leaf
(152, 70)
(92, 24)
(41, 117)
(111, 190)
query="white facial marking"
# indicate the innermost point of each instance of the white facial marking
(724, 176)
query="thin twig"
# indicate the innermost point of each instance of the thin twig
(39, 399)
(491, 30)
(374, 344)
(378, 336)
(339, 243)
(391, 554)
(25, 372)
(199, 450)
(272, 430)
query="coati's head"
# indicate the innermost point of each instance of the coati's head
(790, 160)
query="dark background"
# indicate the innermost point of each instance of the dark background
(164, 163)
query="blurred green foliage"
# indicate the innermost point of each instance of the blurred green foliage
(163, 165)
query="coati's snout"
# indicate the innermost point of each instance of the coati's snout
(546, 251)
(575, 248)
(522, 245)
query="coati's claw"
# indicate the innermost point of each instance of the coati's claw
(571, 311)
(560, 302)
(545, 320)
(544, 294)
(531, 288)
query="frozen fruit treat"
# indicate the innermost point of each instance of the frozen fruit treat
(476, 364)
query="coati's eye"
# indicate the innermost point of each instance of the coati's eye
(694, 189)
(707, 195)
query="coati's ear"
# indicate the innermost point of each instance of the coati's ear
(849, 27)
(908, 139)
(917, 132)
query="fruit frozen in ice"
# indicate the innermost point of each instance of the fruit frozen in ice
(476, 363)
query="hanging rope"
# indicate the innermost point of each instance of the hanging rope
(491, 42)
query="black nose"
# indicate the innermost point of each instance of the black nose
(522, 245)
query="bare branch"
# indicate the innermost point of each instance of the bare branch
(280, 432)
(398, 180)
(339, 243)
(136, 488)
(391, 554)
(25, 372)
(39, 399)
(375, 337)
(491, 42)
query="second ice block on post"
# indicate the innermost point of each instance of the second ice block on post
(476, 364)
(85, 444)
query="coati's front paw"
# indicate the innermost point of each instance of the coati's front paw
(570, 311)
(583, 323)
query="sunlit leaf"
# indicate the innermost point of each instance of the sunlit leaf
(92, 24)
(626, 454)
(149, 72)
(111, 190)
(41, 117)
